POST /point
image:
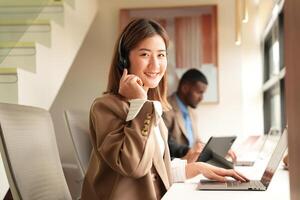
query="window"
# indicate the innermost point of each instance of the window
(274, 74)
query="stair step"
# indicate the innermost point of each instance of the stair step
(25, 30)
(18, 54)
(43, 38)
(32, 9)
(8, 70)
(57, 17)
(8, 75)
(8, 85)
(26, 62)
(23, 22)
(17, 48)
(24, 25)
(15, 3)
(11, 7)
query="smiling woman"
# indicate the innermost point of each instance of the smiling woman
(127, 161)
(130, 157)
(193, 41)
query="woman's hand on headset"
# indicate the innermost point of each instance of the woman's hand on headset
(131, 86)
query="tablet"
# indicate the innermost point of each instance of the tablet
(215, 150)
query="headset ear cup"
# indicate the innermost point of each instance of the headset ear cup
(122, 64)
(124, 61)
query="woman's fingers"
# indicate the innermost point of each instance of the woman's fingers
(234, 174)
(213, 176)
(225, 172)
(127, 78)
(211, 172)
(240, 177)
(124, 75)
(130, 78)
(140, 82)
(131, 86)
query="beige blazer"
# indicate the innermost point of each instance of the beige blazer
(175, 122)
(125, 162)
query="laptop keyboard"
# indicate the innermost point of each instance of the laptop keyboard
(250, 184)
(232, 185)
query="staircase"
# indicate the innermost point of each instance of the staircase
(39, 40)
(23, 23)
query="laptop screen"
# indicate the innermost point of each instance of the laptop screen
(275, 159)
(269, 144)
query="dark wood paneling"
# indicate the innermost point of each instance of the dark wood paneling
(292, 62)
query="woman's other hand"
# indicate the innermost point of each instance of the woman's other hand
(212, 172)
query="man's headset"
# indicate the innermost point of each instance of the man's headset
(123, 63)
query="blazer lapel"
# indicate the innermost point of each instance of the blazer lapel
(167, 158)
(158, 161)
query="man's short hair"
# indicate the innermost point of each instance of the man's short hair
(192, 76)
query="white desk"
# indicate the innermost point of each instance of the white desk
(278, 188)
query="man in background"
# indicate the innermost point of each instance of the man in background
(184, 139)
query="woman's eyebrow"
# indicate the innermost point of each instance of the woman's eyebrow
(145, 49)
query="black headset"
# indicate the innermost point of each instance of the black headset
(123, 63)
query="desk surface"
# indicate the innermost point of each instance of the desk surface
(278, 188)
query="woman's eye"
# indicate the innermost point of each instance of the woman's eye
(144, 54)
(161, 55)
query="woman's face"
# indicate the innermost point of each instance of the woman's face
(148, 61)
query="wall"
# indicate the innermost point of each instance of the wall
(85, 81)
(39, 88)
(9, 92)
(239, 110)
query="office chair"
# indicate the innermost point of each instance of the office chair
(30, 154)
(78, 126)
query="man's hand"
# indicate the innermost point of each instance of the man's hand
(193, 153)
(232, 155)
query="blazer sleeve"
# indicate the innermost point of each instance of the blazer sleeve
(127, 147)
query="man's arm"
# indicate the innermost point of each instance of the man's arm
(177, 150)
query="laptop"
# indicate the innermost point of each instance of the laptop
(252, 185)
(255, 146)
(215, 150)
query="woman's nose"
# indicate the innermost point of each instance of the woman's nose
(154, 62)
